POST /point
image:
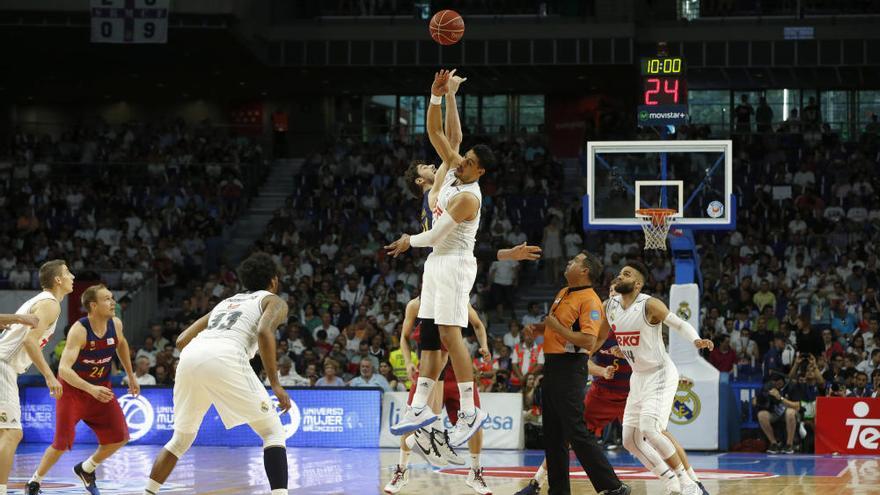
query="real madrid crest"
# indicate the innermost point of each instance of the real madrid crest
(686, 406)
(684, 311)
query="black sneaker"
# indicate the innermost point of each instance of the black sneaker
(623, 489)
(788, 450)
(774, 448)
(32, 488)
(88, 479)
(533, 488)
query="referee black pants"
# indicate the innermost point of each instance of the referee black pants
(564, 384)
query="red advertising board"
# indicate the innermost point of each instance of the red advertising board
(847, 426)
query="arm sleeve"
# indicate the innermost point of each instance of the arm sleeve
(441, 228)
(591, 315)
(681, 326)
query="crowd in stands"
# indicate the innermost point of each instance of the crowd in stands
(121, 201)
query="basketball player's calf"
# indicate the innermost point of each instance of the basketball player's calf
(472, 418)
(655, 451)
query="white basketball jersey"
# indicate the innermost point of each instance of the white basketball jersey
(462, 239)
(235, 320)
(12, 341)
(640, 341)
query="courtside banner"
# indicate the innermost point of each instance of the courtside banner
(504, 430)
(847, 425)
(319, 417)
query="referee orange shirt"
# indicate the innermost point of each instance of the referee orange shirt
(577, 308)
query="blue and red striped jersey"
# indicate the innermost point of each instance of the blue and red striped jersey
(93, 362)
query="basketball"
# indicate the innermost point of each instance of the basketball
(446, 27)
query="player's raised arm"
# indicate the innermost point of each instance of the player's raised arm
(462, 207)
(657, 312)
(519, 253)
(435, 121)
(453, 133)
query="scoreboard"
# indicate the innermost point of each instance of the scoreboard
(663, 96)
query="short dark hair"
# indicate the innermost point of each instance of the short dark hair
(90, 295)
(49, 270)
(642, 269)
(486, 157)
(257, 271)
(411, 174)
(592, 262)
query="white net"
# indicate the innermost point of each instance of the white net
(655, 225)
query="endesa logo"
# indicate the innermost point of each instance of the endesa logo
(864, 432)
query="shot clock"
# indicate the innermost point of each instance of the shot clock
(663, 97)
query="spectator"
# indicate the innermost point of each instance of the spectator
(287, 375)
(860, 388)
(773, 358)
(484, 372)
(368, 378)
(142, 372)
(743, 113)
(387, 372)
(148, 351)
(869, 365)
(534, 316)
(527, 358)
(162, 376)
(330, 378)
(773, 407)
(503, 277)
(744, 346)
(764, 297)
(723, 357)
(513, 336)
(764, 116)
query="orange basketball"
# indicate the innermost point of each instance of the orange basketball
(446, 27)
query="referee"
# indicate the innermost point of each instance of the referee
(573, 327)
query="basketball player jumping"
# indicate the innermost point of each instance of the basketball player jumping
(636, 320)
(450, 271)
(85, 377)
(214, 369)
(22, 345)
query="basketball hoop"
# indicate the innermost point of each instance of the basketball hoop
(656, 226)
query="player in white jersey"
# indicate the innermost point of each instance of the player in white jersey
(636, 320)
(214, 369)
(20, 345)
(449, 275)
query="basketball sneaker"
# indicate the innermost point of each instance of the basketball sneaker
(399, 480)
(428, 447)
(774, 448)
(533, 488)
(623, 489)
(475, 480)
(466, 426)
(703, 490)
(88, 479)
(413, 420)
(32, 488)
(442, 439)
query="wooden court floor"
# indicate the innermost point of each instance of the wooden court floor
(220, 470)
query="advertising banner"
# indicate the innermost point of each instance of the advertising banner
(318, 418)
(847, 425)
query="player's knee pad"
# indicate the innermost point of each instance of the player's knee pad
(430, 336)
(180, 442)
(271, 431)
(650, 428)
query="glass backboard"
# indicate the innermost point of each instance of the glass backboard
(695, 178)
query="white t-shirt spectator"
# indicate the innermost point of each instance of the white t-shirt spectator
(573, 244)
(804, 178)
(510, 340)
(151, 355)
(503, 272)
(332, 332)
(857, 214)
(19, 278)
(516, 237)
(797, 226)
(833, 213)
(146, 379)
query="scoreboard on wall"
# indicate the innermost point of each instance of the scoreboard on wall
(129, 21)
(663, 97)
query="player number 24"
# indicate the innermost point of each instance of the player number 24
(231, 317)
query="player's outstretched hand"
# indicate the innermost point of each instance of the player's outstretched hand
(102, 394)
(283, 398)
(704, 344)
(454, 82)
(525, 252)
(398, 247)
(441, 82)
(28, 320)
(55, 389)
(134, 388)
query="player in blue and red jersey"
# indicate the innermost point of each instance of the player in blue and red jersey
(84, 372)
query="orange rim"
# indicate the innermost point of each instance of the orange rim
(657, 215)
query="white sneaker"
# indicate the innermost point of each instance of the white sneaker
(442, 440)
(671, 486)
(399, 479)
(690, 489)
(466, 426)
(428, 447)
(475, 480)
(413, 420)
